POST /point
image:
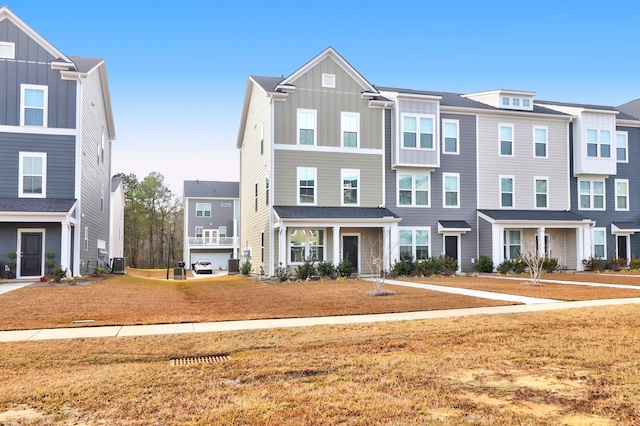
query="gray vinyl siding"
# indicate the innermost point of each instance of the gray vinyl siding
(95, 171)
(328, 185)
(9, 241)
(485, 239)
(418, 157)
(60, 152)
(220, 216)
(31, 66)
(328, 103)
(465, 165)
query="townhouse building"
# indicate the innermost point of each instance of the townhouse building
(332, 166)
(211, 222)
(56, 129)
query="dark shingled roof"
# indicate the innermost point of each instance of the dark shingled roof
(631, 109)
(267, 83)
(312, 212)
(623, 114)
(85, 64)
(454, 224)
(115, 182)
(37, 205)
(626, 225)
(211, 189)
(533, 215)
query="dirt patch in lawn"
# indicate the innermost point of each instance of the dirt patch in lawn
(567, 292)
(125, 300)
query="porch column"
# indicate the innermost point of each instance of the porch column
(65, 246)
(497, 243)
(541, 242)
(580, 247)
(386, 247)
(394, 244)
(282, 246)
(336, 246)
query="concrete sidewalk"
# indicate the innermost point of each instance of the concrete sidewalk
(7, 286)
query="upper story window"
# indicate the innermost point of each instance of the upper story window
(591, 194)
(451, 190)
(417, 131)
(203, 209)
(598, 143)
(307, 185)
(306, 124)
(350, 125)
(506, 140)
(542, 192)
(350, 186)
(622, 146)
(32, 182)
(622, 194)
(414, 243)
(450, 136)
(199, 231)
(506, 191)
(413, 190)
(506, 101)
(329, 81)
(540, 142)
(7, 50)
(33, 105)
(222, 231)
(526, 103)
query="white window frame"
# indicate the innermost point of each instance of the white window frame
(199, 232)
(507, 243)
(329, 81)
(414, 190)
(414, 244)
(444, 136)
(9, 48)
(299, 127)
(618, 195)
(598, 142)
(604, 242)
(343, 173)
(307, 244)
(444, 190)
(592, 194)
(536, 193)
(201, 207)
(505, 101)
(43, 156)
(222, 231)
(546, 142)
(86, 238)
(513, 191)
(513, 136)
(626, 147)
(418, 131)
(45, 109)
(301, 170)
(343, 127)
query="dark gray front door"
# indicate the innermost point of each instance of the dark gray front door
(622, 247)
(31, 256)
(451, 246)
(350, 249)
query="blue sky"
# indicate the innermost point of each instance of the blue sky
(178, 70)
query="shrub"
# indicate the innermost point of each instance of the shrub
(506, 266)
(405, 267)
(282, 273)
(550, 264)
(326, 269)
(593, 264)
(519, 266)
(635, 263)
(449, 265)
(483, 264)
(98, 271)
(245, 269)
(617, 264)
(345, 269)
(427, 267)
(58, 273)
(306, 270)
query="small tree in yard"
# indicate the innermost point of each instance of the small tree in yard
(378, 255)
(535, 261)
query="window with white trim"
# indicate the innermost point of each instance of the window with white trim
(306, 126)
(350, 129)
(418, 131)
(329, 81)
(506, 140)
(540, 141)
(222, 231)
(450, 136)
(306, 244)
(414, 243)
(350, 179)
(255, 198)
(507, 191)
(413, 189)
(592, 194)
(102, 197)
(7, 50)
(199, 231)
(33, 105)
(622, 194)
(598, 143)
(307, 185)
(512, 243)
(102, 148)
(86, 238)
(32, 180)
(598, 237)
(622, 146)
(266, 191)
(203, 209)
(542, 192)
(451, 190)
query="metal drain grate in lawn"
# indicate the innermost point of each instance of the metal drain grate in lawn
(199, 360)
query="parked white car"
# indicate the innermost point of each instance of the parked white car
(203, 267)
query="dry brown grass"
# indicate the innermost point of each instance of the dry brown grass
(574, 367)
(126, 299)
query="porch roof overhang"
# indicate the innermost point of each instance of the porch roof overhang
(14, 209)
(535, 218)
(624, 228)
(331, 216)
(453, 226)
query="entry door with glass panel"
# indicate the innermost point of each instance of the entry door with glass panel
(210, 236)
(350, 249)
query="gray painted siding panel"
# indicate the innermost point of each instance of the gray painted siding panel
(418, 156)
(220, 216)
(9, 241)
(60, 162)
(485, 241)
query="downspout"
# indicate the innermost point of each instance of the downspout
(78, 181)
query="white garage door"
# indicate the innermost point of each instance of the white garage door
(218, 260)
